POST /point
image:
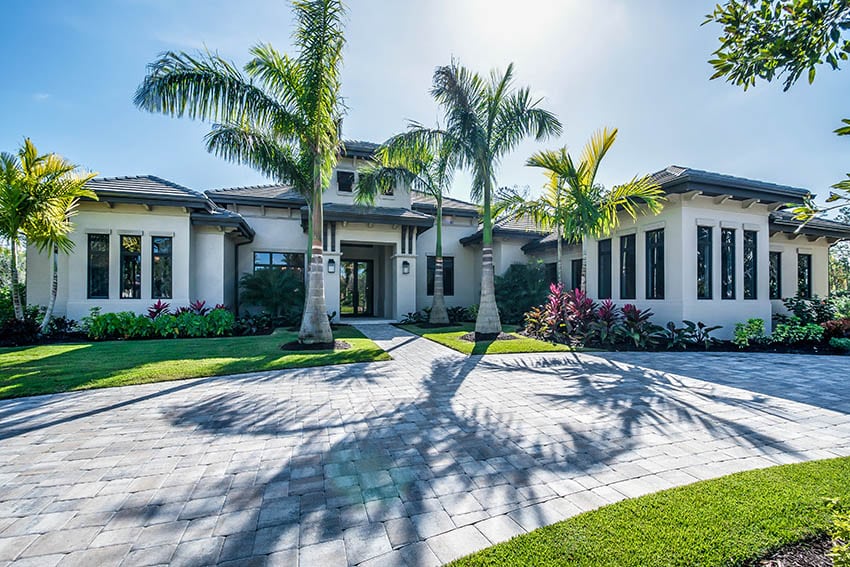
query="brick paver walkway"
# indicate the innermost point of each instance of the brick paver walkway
(414, 461)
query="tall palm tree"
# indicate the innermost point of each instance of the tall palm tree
(485, 119)
(429, 169)
(38, 197)
(280, 117)
(573, 203)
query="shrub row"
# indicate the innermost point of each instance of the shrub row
(216, 322)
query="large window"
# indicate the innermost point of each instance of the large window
(131, 267)
(279, 260)
(448, 275)
(727, 263)
(776, 275)
(628, 267)
(750, 264)
(98, 266)
(705, 251)
(575, 274)
(604, 272)
(345, 181)
(804, 275)
(655, 264)
(161, 267)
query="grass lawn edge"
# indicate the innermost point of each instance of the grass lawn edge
(449, 336)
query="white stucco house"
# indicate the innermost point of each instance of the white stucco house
(721, 251)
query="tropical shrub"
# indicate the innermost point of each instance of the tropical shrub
(253, 324)
(841, 301)
(840, 344)
(18, 333)
(158, 308)
(796, 332)
(459, 315)
(537, 323)
(699, 334)
(165, 326)
(414, 318)
(637, 329)
(520, 288)
(196, 320)
(190, 324)
(278, 292)
(606, 327)
(219, 322)
(839, 328)
(751, 331)
(814, 310)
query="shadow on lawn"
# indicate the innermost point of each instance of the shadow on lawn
(348, 456)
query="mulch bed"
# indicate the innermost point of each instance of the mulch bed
(474, 337)
(807, 553)
(298, 346)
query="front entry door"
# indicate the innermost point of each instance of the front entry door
(355, 288)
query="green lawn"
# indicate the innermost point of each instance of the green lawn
(46, 369)
(720, 522)
(451, 337)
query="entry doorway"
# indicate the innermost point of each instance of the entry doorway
(356, 284)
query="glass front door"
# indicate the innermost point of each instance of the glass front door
(355, 288)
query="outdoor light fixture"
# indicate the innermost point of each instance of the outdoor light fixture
(405, 267)
(331, 266)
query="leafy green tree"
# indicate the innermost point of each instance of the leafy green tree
(573, 203)
(485, 119)
(784, 39)
(38, 197)
(281, 117)
(423, 168)
(278, 292)
(839, 260)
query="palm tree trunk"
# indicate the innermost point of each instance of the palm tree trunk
(54, 289)
(584, 266)
(560, 254)
(315, 327)
(487, 324)
(13, 273)
(439, 315)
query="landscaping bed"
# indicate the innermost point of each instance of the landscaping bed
(733, 520)
(47, 369)
(453, 337)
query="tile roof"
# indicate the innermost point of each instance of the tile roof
(255, 193)
(427, 203)
(359, 148)
(380, 215)
(508, 226)
(784, 221)
(678, 179)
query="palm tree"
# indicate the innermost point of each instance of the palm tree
(280, 117)
(485, 120)
(573, 203)
(38, 197)
(424, 168)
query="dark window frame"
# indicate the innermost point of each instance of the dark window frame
(298, 264)
(751, 264)
(604, 251)
(728, 267)
(349, 181)
(91, 267)
(804, 291)
(775, 272)
(705, 262)
(164, 257)
(448, 275)
(130, 259)
(575, 273)
(628, 266)
(655, 268)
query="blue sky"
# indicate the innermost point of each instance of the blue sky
(72, 69)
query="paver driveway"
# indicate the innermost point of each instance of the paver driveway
(414, 461)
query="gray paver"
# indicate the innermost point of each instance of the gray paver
(412, 461)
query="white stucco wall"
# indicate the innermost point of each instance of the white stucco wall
(790, 246)
(467, 264)
(208, 278)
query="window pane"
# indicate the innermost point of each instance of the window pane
(804, 275)
(278, 259)
(262, 260)
(345, 180)
(776, 275)
(448, 275)
(98, 266)
(628, 271)
(575, 274)
(727, 263)
(704, 255)
(131, 267)
(655, 264)
(161, 266)
(750, 264)
(604, 248)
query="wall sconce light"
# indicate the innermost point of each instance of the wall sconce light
(331, 266)
(405, 267)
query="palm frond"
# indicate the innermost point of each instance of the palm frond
(594, 151)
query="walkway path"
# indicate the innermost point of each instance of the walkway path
(414, 461)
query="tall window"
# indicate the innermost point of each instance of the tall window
(279, 260)
(161, 267)
(750, 264)
(655, 264)
(804, 275)
(98, 266)
(604, 272)
(628, 269)
(776, 275)
(551, 271)
(575, 274)
(131, 267)
(705, 251)
(345, 180)
(727, 263)
(448, 275)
